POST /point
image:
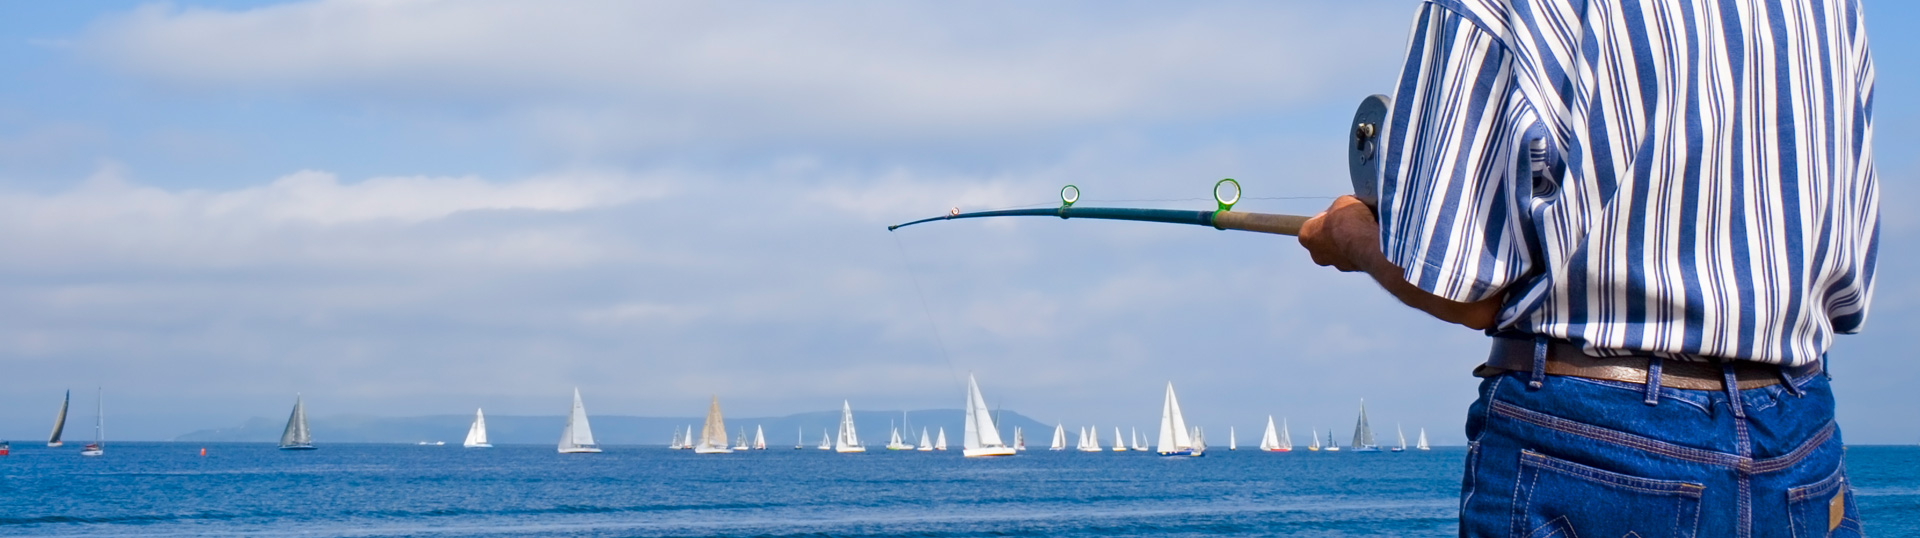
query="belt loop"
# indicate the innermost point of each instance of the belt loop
(1653, 381)
(1539, 376)
(1733, 389)
(1786, 378)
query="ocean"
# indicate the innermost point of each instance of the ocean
(152, 489)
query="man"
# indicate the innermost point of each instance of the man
(1661, 211)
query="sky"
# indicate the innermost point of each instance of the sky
(401, 208)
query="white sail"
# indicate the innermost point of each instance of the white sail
(799, 437)
(60, 421)
(1422, 443)
(477, 433)
(759, 438)
(1137, 447)
(1119, 443)
(940, 441)
(1019, 439)
(1286, 438)
(740, 442)
(1403, 439)
(849, 439)
(713, 432)
(1059, 437)
(577, 438)
(1270, 441)
(1174, 437)
(296, 436)
(1363, 433)
(826, 440)
(982, 437)
(925, 444)
(1233, 442)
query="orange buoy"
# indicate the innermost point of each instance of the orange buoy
(203, 451)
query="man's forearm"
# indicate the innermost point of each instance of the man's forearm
(1347, 237)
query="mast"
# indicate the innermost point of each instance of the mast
(60, 421)
(99, 418)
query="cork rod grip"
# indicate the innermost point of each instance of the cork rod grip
(1259, 222)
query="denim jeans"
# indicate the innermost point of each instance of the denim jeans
(1585, 458)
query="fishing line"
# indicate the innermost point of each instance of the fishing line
(926, 308)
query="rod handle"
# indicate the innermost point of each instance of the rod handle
(1259, 222)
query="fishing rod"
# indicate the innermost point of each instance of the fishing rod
(1362, 167)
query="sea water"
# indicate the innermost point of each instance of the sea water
(406, 490)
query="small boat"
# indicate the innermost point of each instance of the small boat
(800, 438)
(1019, 440)
(849, 439)
(940, 441)
(982, 436)
(60, 421)
(1286, 437)
(1422, 443)
(759, 438)
(894, 442)
(826, 440)
(925, 444)
(1233, 443)
(686, 441)
(1270, 441)
(740, 441)
(1403, 439)
(1314, 435)
(5, 448)
(477, 433)
(1059, 437)
(1363, 433)
(296, 436)
(1119, 443)
(1137, 447)
(1175, 440)
(577, 437)
(1089, 440)
(713, 434)
(431, 443)
(675, 443)
(1332, 445)
(99, 445)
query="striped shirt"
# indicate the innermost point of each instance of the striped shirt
(1680, 178)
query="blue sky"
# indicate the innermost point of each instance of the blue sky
(407, 208)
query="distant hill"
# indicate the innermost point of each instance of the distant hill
(613, 429)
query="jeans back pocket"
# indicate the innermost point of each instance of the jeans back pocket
(1824, 508)
(1562, 499)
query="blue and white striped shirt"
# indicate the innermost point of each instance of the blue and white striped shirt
(1683, 178)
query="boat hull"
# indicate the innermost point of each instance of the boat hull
(479, 445)
(850, 450)
(987, 452)
(712, 450)
(1279, 450)
(299, 447)
(1184, 453)
(579, 450)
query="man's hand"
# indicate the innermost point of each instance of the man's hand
(1347, 237)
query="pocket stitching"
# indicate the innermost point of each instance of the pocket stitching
(1602, 476)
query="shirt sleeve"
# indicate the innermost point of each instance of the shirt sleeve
(1455, 176)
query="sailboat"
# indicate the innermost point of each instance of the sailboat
(477, 433)
(686, 441)
(60, 421)
(826, 440)
(99, 445)
(894, 442)
(1362, 433)
(740, 441)
(296, 436)
(1019, 440)
(925, 444)
(982, 436)
(1332, 445)
(577, 437)
(1059, 437)
(1119, 443)
(1137, 447)
(713, 433)
(848, 440)
(759, 438)
(1286, 437)
(675, 443)
(1174, 438)
(940, 441)
(1314, 435)
(799, 438)
(1403, 439)
(1233, 443)
(1270, 441)
(1090, 439)
(1422, 443)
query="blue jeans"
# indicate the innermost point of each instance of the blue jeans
(1585, 458)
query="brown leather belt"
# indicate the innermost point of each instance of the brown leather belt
(1566, 358)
